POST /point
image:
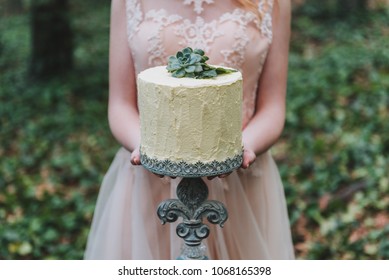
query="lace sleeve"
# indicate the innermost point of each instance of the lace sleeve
(265, 9)
(134, 17)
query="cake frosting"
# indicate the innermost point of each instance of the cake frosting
(190, 127)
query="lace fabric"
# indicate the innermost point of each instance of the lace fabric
(229, 34)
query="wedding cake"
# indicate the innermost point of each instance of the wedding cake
(190, 127)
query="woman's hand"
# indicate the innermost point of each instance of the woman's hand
(248, 158)
(220, 176)
(135, 160)
(135, 156)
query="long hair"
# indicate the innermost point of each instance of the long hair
(251, 5)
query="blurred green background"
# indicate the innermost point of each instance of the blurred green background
(56, 145)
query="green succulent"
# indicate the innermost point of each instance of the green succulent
(192, 64)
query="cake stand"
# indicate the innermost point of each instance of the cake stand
(191, 203)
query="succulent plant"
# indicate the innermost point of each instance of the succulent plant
(192, 64)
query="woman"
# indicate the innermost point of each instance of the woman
(250, 36)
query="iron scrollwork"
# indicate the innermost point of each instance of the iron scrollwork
(192, 205)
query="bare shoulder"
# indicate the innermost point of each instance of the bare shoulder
(282, 14)
(283, 8)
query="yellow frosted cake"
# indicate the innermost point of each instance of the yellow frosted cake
(190, 127)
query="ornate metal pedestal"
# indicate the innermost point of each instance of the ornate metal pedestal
(192, 206)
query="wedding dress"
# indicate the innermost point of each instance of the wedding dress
(125, 224)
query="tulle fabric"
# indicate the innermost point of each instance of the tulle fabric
(126, 226)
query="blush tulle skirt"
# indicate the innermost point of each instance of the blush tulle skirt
(125, 224)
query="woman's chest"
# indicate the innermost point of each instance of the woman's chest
(233, 38)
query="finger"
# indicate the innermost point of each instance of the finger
(159, 175)
(135, 160)
(224, 175)
(248, 158)
(245, 164)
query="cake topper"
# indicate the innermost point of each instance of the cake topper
(192, 64)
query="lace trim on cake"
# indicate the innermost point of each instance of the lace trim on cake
(184, 169)
(198, 4)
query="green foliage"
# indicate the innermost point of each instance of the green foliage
(55, 143)
(333, 155)
(331, 9)
(192, 64)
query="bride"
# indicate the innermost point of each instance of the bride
(249, 35)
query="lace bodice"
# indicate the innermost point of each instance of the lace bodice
(229, 34)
